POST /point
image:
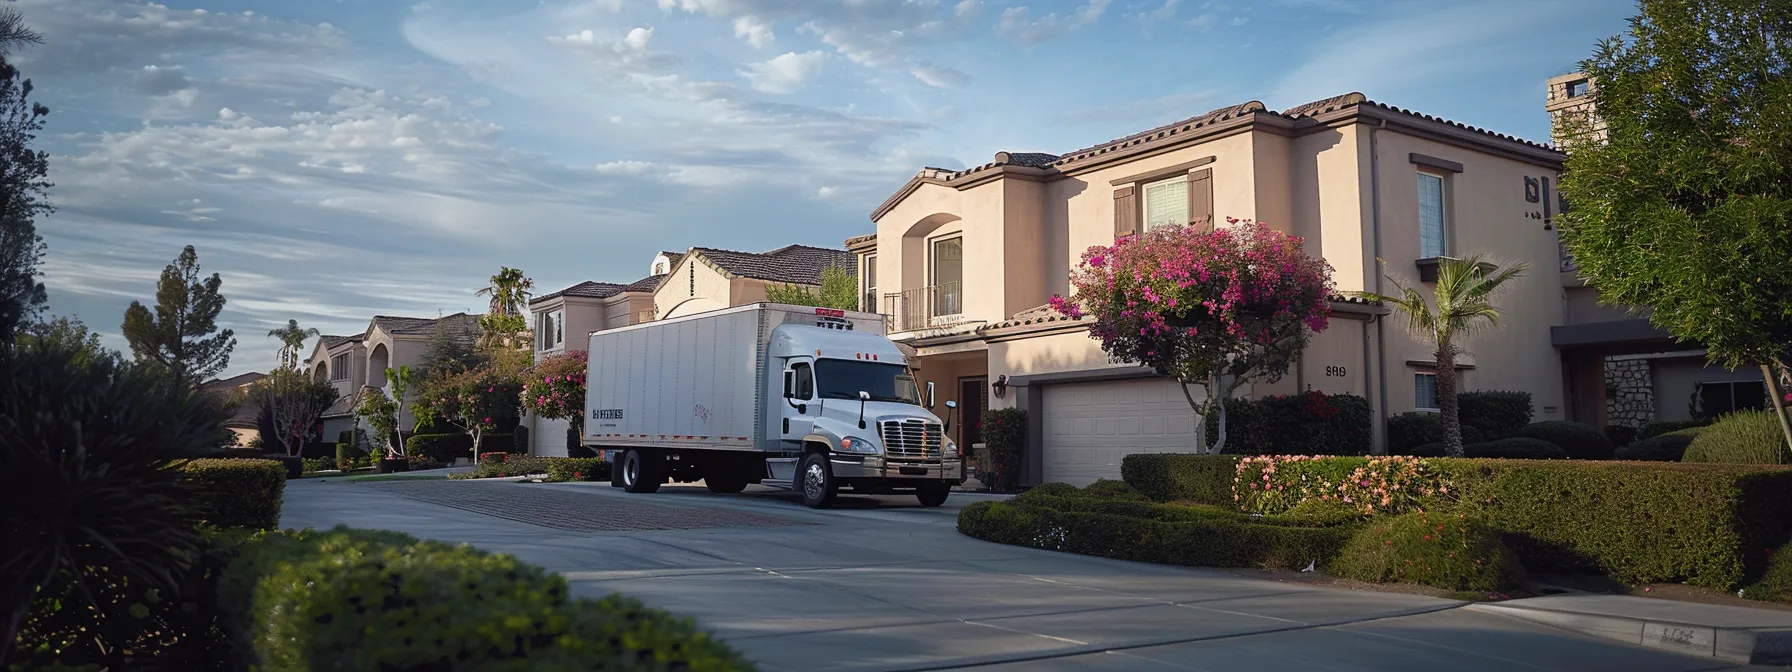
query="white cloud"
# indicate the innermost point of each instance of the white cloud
(1016, 23)
(624, 167)
(638, 38)
(786, 73)
(755, 32)
(824, 192)
(967, 9)
(940, 76)
(481, 101)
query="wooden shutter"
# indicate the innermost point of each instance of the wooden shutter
(1200, 199)
(1126, 211)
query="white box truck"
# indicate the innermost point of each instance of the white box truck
(815, 400)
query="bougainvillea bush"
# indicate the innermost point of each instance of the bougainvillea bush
(476, 401)
(1219, 309)
(1374, 485)
(555, 388)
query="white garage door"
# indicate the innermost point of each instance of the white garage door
(1090, 427)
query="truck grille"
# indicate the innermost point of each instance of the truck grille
(913, 439)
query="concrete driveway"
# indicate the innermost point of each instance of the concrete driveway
(882, 584)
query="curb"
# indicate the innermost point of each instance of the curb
(1751, 646)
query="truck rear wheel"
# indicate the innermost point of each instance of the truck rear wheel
(642, 471)
(815, 480)
(933, 494)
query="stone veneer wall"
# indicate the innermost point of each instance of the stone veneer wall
(1629, 392)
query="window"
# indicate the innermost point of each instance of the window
(1431, 216)
(948, 276)
(339, 367)
(551, 332)
(1578, 88)
(846, 378)
(1424, 391)
(1166, 203)
(805, 381)
(868, 302)
(1728, 397)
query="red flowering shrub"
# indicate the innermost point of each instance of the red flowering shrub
(555, 388)
(476, 401)
(493, 457)
(1375, 485)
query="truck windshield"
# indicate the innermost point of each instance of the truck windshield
(843, 379)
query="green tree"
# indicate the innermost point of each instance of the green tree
(1685, 208)
(446, 354)
(1464, 293)
(179, 337)
(23, 189)
(292, 342)
(66, 333)
(838, 289)
(509, 291)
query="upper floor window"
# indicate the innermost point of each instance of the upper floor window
(551, 332)
(1579, 87)
(868, 282)
(339, 367)
(1424, 391)
(1166, 203)
(948, 276)
(1431, 216)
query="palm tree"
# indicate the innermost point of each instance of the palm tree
(509, 291)
(1464, 294)
(292, 342)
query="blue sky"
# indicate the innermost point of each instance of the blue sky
(336, 159)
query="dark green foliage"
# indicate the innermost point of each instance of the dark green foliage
(501, 443)
(1110, 489)
(443, 448)
(243, 453)
(1620, 435)
(235, 493)
(309, 601)
(1669, 447)
(520, 441)
(1517, 448)
(85, 492)
(24, 187)
(292, 405)
(1581, 440)
(447, 354)
(1409, 433)
(1775, 584)
(347, 454)
(1311, 423)
(839, 289)
(1496, 414)
(1431, 449)
(67, 331)
(1743, 437)
(1178, 535)
(1005, 437)
(1655, 429)
(1442, 550)
(1168, 477)
(1049, 490)
(510, 467)
(577, 469)
(178, 336)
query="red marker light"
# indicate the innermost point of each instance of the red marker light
(830, 312)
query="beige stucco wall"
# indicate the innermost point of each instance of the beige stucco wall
(675, 297)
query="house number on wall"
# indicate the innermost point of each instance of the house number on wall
(1334, 371)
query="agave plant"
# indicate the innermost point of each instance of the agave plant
(88, 499)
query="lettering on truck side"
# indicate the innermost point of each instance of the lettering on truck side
(606, 414)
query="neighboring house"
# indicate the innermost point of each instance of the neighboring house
(352, 363)
(704, 279)
(243, 414)
(1621, 370)
(963, 262)
(562, 319)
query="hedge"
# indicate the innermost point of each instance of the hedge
(1495, 414)
(444, 448)
(1217, 539)
(1745, 437)
(1669, 447)
(309, 601)
(578, 469)
(236, 493)
(1004, 440)
(1775, 584)
(1655, 429)
(1516, 447)
(1442, 550)
(1415, 433)
(511, 467)
(1168, 477)
(1311, 423)
(1581, 440)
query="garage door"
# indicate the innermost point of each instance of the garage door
(1090, 427)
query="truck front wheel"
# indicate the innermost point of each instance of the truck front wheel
(933, 494)
(815, 479)
(641, 471)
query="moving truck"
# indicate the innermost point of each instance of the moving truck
(814, 400)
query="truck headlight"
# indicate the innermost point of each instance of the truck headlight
(949, 449)
(853, 444)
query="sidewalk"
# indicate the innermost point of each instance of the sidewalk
(1735, 634)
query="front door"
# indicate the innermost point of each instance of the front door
(973, 396)
(800, 408)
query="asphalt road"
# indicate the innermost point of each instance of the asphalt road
(882, 584)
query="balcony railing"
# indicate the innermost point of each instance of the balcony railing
(924, 307)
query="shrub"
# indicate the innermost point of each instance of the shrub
(1744, 437)
(1449, 551)
(520, 441)
(346, 456)
(311, 465)
(1049, 490)
(1620, 435)
(236, 493)
(1312, 423)
(577, 469)
(1372, 485)
(1183, 513)
(1669, 447)
(1655, 429)
(443, 448)
(1167, 477)
(1581, 440)
(492, 457)
(1110, 489)
(243, 453)
(1005, 440)
(1775, 584)
(1516, 448)
(512, 467)
(1408, 431)
(307, 600)
(1207, 539)
(1495, 414)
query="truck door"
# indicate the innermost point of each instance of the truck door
(800, 405)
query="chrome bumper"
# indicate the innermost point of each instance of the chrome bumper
(874, 466)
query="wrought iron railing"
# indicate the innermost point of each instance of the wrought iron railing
(924, 307)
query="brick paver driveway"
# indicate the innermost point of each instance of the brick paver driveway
(881, 584)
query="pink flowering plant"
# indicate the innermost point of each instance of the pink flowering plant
(1218, 309)
(477, 402)
(555, 388)
(1374, 485)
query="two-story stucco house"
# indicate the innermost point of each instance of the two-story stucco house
(353, 363)
(962, 263)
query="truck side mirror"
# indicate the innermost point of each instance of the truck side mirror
(930, 395)
(951, 404)
(950, 407)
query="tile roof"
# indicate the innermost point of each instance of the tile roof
(458, 325)
(1033, 159)
(345, 405)
(797, 264)
(236, 381)
(860, 239)
(647, 284)
(592, 289)
(333, 341)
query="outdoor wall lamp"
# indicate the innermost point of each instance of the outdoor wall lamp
(1000, 387)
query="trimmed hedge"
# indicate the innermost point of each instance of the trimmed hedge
(308, 600)
(1495, 414)
(236, 493)
(1004, 441)
(347, 455)
(1620, 435)
(1442, 550)
(1422, 434)
(1311, 423)
(511, 467)
(444, 448)
(1581, 440)
(1516, 448)
(1775, 584)
(1167, 477)
(1744, 437)
(1207, 539)
(243, 453)
(1669, 447)
(1655, 429)
(578, 469)
(1111, 489)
